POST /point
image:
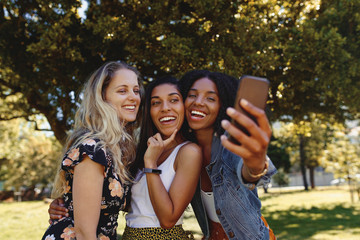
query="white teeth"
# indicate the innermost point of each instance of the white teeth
(166, 119)
(130, 107)
(198, 113)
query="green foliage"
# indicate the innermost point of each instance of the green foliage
(48, 50)
(317, 133)
(319, 58)
(278, 155)
(28, 157)
(281, 178)
(342, 155)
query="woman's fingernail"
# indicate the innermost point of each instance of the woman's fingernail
(223, 137)
(244, 102)
(225, 123)
(230, 110)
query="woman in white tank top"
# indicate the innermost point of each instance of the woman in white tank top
(167, 166)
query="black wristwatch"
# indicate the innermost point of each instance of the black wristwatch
(151, 170)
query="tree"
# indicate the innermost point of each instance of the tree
(27, 156)
(47, 50)
(292, 135)
(342, 156)
(278, 155)
(313, 137)
(320, 49)
(281, 178)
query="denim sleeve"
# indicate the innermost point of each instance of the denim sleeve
(263, 181)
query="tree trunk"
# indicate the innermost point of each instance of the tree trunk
(302, 160)
(58, 126)
(312, 177)
(351, 190)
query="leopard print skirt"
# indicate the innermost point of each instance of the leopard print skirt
(156, 233)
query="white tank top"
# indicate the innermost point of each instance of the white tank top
(209, 204)
(141, 213)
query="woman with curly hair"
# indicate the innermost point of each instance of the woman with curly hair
(225, 203)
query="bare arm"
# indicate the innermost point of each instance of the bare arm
(169, 206)
(253, 148)
(87, 193)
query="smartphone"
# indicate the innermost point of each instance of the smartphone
(255, 90)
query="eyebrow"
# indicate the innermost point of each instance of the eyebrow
(170, 94)
(124, 85)
(194, 89)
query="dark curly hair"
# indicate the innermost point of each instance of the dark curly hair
(226, 86)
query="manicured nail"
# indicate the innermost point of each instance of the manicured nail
(225, 123)
(223, 137)
(230, 110)
(244, 102)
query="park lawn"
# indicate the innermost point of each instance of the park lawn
(323, 213)
(29, 220)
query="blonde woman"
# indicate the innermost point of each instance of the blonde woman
(94, 178)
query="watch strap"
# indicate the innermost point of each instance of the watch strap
(152, 170)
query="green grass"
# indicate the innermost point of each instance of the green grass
(29, 220)
(324, 213)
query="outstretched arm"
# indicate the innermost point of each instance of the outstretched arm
(253, 148)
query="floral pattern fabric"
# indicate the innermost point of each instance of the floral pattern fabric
(114, 197)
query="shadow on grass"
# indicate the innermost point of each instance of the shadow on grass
(280, 193)
(299, 223)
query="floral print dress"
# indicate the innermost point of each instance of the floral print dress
(114, 196)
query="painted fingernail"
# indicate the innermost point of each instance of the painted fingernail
(244, 102)
(230, 110)
(225, 123)
(223, 137)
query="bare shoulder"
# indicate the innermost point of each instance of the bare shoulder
(190, 149)
(189, 153)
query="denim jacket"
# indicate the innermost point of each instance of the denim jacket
(237, 203)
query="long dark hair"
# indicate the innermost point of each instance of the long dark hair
(148, 127)
(226, 86)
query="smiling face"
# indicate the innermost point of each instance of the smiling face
(123, 93)
(166, 109)
(202, 104)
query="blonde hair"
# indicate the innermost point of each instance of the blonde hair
(97, 119)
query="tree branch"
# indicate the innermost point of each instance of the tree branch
(13, 117)
(37, 127)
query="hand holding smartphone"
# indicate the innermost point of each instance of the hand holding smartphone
(254, 90)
